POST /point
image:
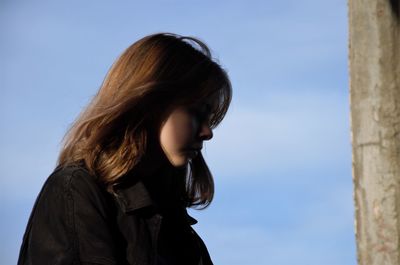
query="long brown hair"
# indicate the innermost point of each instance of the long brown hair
(154, 74)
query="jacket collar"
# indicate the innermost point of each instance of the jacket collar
(134, 197)
(137, 197)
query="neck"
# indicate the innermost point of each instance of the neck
(164, 181)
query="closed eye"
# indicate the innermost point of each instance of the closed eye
(202, 113)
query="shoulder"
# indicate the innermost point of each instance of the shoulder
(74, 185)
(71, 212)
(72, 177)
(71, 196)
(71, 173)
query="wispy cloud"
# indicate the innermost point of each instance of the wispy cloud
(303, 239)
(289, 130)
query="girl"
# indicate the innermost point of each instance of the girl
(131, 163)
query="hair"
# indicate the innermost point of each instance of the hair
(154, 74)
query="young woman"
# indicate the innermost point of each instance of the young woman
(131, 163)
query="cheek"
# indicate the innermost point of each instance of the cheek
(183, 131)
(177, 132)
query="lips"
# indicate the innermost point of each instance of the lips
(193, 151)
(196, 147)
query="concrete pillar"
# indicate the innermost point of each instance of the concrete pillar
(374, 54)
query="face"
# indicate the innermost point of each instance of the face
(183, 132)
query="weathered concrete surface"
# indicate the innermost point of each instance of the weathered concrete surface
(374, 54)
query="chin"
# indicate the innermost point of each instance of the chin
(179, 161)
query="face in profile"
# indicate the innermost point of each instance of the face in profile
(183, 132)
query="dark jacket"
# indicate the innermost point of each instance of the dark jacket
(76, 221)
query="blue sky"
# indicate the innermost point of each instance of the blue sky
(281, 158)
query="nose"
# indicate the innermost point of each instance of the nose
(206, 132)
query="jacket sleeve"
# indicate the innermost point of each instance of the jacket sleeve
(71, 223)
